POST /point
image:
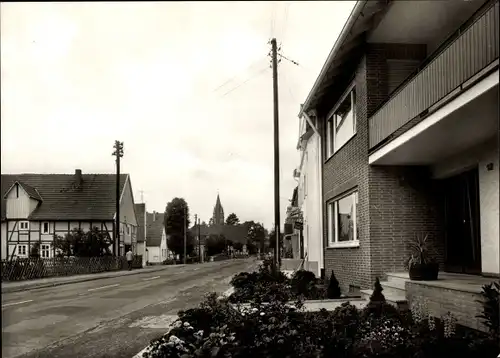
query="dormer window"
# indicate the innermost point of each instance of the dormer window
(24, 225)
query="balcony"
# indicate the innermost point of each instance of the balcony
(469, 54)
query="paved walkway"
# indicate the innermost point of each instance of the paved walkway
(17, 286)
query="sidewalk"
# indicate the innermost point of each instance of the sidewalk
(17, 286)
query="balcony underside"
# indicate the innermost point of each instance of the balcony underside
(468, 120)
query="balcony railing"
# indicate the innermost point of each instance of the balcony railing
(472, 51)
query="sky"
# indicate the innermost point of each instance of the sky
(187, 86)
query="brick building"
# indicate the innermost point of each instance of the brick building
(407, 108)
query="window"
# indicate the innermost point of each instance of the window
(341, 124)
(45, 251)
(24, 225)
(17, 190)
(45, 228)
(128, 229)
(342, 221)
(21, 250)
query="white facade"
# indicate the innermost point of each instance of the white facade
(309, 200)
(158, 254)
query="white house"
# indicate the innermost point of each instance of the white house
(35, 207)
(156, 238)
(309, 194)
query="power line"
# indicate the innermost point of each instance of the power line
(283, 30)
(253, 64)
(244, 82)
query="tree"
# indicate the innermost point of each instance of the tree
(83, 244)
(251, 247)
(215, 244)
(256, 234)
(272, 239)
(232, 220)
(175, 226)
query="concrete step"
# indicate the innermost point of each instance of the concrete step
(398, 278)
(398, 301)
(393, 288)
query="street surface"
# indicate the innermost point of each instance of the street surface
(115, 317)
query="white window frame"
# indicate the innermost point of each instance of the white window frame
(45, 248)
(24, 225)
(332, 124)
(332, 217)
(48, 227)
(24, 252)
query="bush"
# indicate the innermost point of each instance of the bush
(491, 308)
(333, 287)
(274, 329)
(303, 282)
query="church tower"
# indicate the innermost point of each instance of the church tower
(218, 216)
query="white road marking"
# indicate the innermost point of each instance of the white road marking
(16, 303)
(151, 278)
(100, 288)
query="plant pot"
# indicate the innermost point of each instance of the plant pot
(424, 272)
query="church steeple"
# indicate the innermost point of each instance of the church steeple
(218, 215)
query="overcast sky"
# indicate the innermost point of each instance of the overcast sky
(186, 86)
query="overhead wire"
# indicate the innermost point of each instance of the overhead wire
(252, 65)
(246, 81)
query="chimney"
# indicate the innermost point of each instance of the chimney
(154, 215)
(78, 177)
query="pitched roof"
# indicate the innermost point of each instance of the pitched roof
(32, 192)
(154, 229)
(140, 212)
(95, 199)
(235, 233)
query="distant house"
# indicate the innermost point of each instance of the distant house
(156, 238)
(36, 206)
(140, 212)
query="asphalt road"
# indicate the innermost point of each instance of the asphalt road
(115, 317)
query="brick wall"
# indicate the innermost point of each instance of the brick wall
(348, 168)
(404, 201)
(462, 304)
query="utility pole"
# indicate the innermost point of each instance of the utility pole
(274, 51)
(185, 235)
(118, 153)
(196, 222)
(199, 239)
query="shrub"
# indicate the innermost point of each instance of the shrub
(491, 308)
(303, 282)
(333, 287)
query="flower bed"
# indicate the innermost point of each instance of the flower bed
(269, 326)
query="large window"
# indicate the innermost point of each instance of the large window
(341, 124)
(342, 221)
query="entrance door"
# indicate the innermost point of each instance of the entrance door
(463, 242)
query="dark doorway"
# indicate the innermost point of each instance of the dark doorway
(463, 241)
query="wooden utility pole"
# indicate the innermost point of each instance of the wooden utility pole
(185, 235)
(199, 239)
(274, 54)
(118, 153)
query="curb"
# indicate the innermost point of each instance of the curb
(35, 286)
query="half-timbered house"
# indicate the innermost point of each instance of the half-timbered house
(35, 207)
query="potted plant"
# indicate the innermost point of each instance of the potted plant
(421, 264)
